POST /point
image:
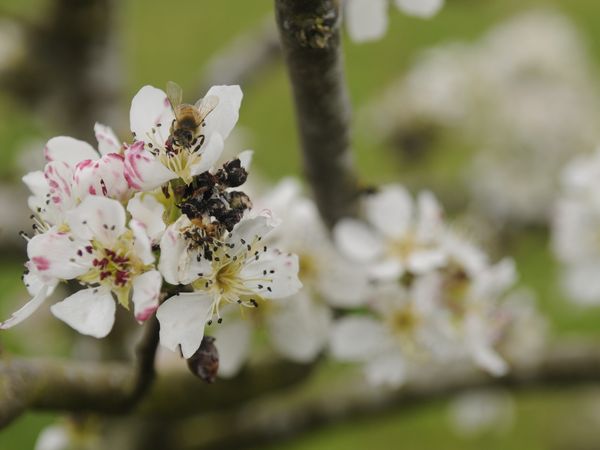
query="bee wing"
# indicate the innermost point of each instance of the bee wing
(206, 105)
(174, 94)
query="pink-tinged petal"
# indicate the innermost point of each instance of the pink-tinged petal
(211, 153)
(146, 290)
(182, 319)
(420, 8)
(366, 20)
(104, 176)
(147, 211)
(151, 115)
(224, 117)
(357, 338)
(26, 310)
(97, 218)
(273, 275)
(55, 255)
(68, 150)
(177, 263)
(108, 142)
(89, 311)
(232, 339)
(142, 244)
(59, 176)
(143, 171)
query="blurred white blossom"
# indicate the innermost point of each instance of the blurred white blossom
(434, 295)
(575, 229)
(367, 20)
(479, 412)
(524, 96)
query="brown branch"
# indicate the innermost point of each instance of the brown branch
(565, 365)
(116, 388)
(64, 385)
(310, 37)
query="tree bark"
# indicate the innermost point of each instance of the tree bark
(310, 38)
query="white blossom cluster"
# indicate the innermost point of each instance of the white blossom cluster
(154, 224)
(576, 229)
(367, 20)
(434, 297)
(524, 97)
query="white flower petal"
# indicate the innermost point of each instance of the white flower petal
(37, 183)
(142, 243)
(273, 275)
(26, 310)
(366, 20)
(177, 264)
(582, 283)
(245, 158)
(55, 437)
(344, 285)
(182, 319)
(108, 142)
(35, 281)
(224, 117)
(420, 8)
(250, 229)
(423, 261)
(357, 338)
(233, 343)
(89, 311)
(299, 328)
(390, 269)
(357, 241)
(69, 150)
(146, 290)
(390, 210)
(148, 212)
(98, 218)
(211, 153)
(430, 218)
(151, 107)
(387, 370)
(143, 171)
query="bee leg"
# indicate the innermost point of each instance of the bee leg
(201, 138)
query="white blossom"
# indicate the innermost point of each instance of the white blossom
(367, 19)
(237, 269)
(152, 160)
(99, 251)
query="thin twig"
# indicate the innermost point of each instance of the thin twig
(310, 37)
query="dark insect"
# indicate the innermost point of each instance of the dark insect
(205, 362)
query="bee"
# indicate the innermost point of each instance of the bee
(186, 128)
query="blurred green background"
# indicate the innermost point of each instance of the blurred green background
(163, 41)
